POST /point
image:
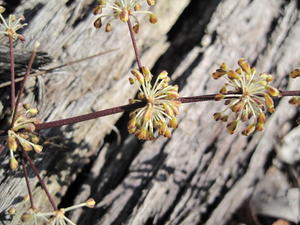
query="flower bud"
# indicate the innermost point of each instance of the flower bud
(137, 7)
(151, 2)
(249, 129)
(90, 203)
(153, 19)
(147, 74)
(108, 27)
(13, 163)
(272, 91)
(269, 103)
(173, 123)
(98, 23)
(232, 75)
(295, 73)
(245, 66)
(217, 116)
(12, 143)
(219, 73)
(124, 15)
(38, 148)
(138, 76)
(231, 126)
(136, 28)
(2, 9)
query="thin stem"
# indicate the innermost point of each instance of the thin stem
(30, 63)
(133, 40)
(25, 171)
(37, 173)
(5, 84)
(130, 107)
(12, 73)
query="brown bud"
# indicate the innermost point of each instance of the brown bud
(151, 2)
(249, 129)
(232, 75)
(153, 18)
(295, 73)
(98, 23)
(97, 10)
(217, 116)
(219, 73)
(136, 28)
(108, 27)
(245, 66)
(231, 126)
(272, 91)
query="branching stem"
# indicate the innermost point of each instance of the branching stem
(37, 173)
(131, 107)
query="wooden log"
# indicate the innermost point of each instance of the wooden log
(202, 175)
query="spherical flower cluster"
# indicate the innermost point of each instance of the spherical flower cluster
(121, 10)
(22, 134)
(162, 105)
(246, 95)
(11, 26)
(56, 217)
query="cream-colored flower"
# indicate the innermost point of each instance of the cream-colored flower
(11, 26)
(121, 10)
(56, 217)
(22, 133)
(162, 105)
(247, 96)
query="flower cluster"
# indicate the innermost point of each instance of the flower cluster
(246, 96)
(162, 105)
(22, 133)
(122, 10)
(56, 217)
(11, 26)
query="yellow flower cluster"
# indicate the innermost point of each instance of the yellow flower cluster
(121, 10)
(162, 105)
(11, 26)
(247, 96)
(22, 133)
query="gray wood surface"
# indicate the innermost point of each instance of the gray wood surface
(202, 175)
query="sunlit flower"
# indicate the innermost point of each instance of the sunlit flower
(11, 26)
(162, 105)
(121, 10)
(247, 96)
(22, 133)
(56, 217)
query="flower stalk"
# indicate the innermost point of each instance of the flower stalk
(131, 107)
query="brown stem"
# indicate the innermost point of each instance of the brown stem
(30, 63)
(12, 73)
(37, 173)
(133, 40)
(25, 171)
(130, 107)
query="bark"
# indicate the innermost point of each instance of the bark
(202, 175)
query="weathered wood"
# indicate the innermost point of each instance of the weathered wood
(200, 176)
